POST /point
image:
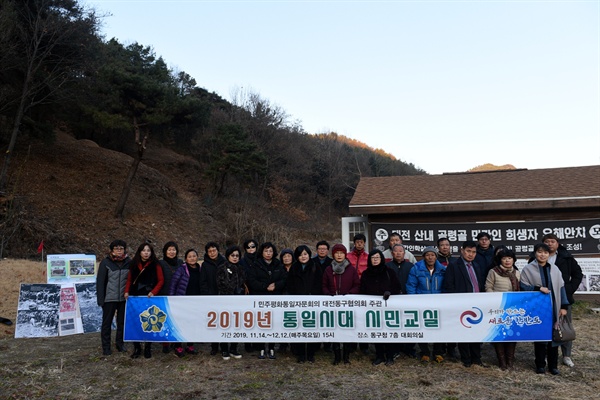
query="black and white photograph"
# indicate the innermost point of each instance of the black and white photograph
(38, 308)
(91, 313)
(594, 283)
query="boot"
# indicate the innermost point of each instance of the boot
(147, 350)
(346, 355)
(337, 356)
(510, 354)
(137, 350)
(499, 347)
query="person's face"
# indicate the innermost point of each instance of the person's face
(430, 258)
(484, 242)
(339, 256)
(118, 250)
(145, 253)
(394, 240)
(191, 258)
(375, 259)
(322, 251)
(213, 253)
(444, 247)
(171, 252)
(541, 256)
(359, 244)
(398, 254)
(268, 253)
(553, 244)
(469, 253)
(251, 249)
(304, 257)
(234, 257)
(287, 258)
(507, 262)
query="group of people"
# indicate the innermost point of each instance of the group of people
(259, 270)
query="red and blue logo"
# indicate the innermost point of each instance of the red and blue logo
(470, 317)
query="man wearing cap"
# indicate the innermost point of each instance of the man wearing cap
(427, 277)
(465, 276)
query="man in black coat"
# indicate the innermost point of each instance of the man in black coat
(465, 276)
(571, 274)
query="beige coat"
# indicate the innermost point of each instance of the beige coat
(497, 283)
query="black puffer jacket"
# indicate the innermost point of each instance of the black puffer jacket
(262, 274)
(307, 281)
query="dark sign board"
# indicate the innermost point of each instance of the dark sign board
(577, 236)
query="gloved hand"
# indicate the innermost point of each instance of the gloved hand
(386, 295)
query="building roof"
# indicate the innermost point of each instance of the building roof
(490, 190)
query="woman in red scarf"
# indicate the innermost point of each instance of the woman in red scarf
(145, 279)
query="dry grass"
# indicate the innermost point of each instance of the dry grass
(72, 368)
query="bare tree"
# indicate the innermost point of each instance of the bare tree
(52, 37)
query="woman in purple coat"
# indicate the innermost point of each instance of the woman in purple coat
(340, 278)
(186, 282)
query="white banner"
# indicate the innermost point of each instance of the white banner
(477, 317)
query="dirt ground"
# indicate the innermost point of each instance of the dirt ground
(72, 367)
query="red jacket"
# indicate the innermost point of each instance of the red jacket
(359, 260)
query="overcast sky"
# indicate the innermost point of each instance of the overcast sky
(445, 85)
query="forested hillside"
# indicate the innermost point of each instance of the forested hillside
(240, 167)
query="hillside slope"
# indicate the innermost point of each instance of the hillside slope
(66, 193)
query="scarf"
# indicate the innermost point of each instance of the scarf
(339, 268)
(171, 261)
(510, 274)
(117, 258)
(532, 276)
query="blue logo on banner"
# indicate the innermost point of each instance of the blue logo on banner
(153, 319)
(471, 317)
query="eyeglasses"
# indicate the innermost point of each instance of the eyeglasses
(251, 246)
(234, 255)
(118, 248)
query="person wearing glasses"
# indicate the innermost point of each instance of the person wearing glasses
(110, 289)
(231, 281)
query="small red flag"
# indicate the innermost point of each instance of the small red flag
(41, 247)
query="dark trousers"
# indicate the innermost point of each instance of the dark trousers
(438, 349)
(305, 349)
(108, 312)
(229, 347)
(384, 351)
(470, 353)
(543, 350)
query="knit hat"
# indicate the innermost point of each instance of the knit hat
(339, 247)
(429, 249)
(286, 251)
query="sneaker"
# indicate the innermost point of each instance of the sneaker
(271, 354)
(225, 355)
(425, 359)
(235, 355)
(191, 350)
(540, 370)
(262, 355)
(179, 352)
(555, 371)
(378, 361)
(568, 362)
(439, 359)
